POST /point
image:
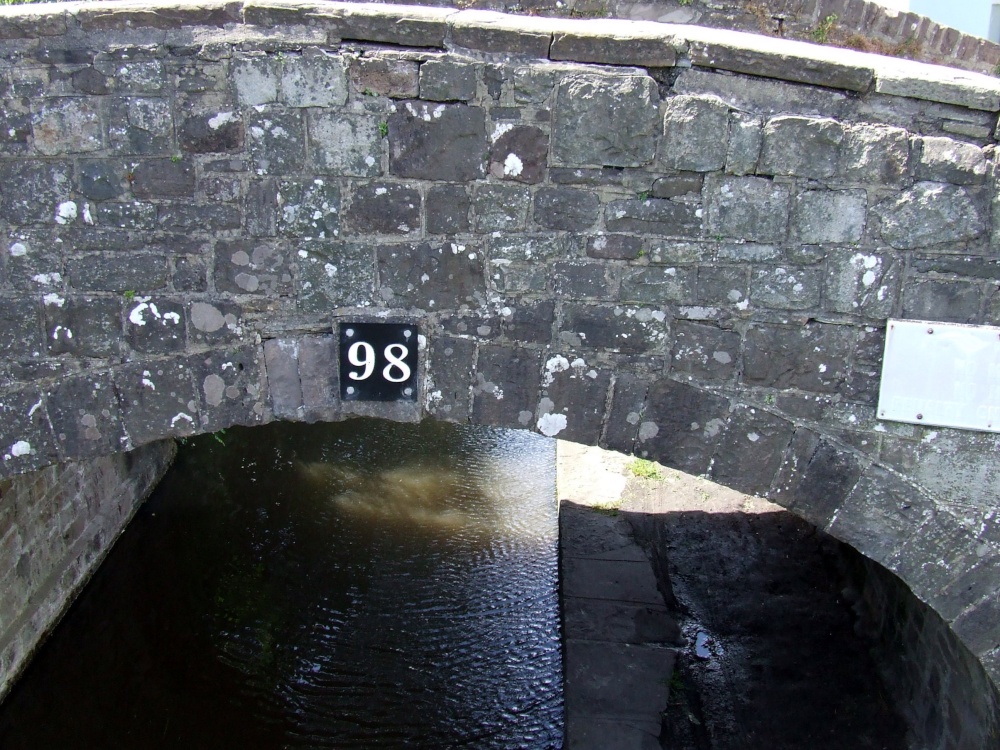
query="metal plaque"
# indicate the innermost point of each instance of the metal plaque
(941, 374)
(378, 362)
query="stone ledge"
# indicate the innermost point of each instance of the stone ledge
(609, 42)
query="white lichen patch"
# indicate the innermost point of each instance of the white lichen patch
(512, 165)
(181, 416)
(66, 212)
(53, 299)
(648, 430)
(551, 425)
(147, 381)
(223, 118)
(556, 364)
(18, 250)
(20, 448)
(500, 129)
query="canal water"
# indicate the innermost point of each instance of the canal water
(361, 584)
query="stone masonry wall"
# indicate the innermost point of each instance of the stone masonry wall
(672, 241)
(56, 525)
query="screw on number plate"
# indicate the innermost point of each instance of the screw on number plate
(930, 330)
(407, 333)
(350, 332)
(920, 416)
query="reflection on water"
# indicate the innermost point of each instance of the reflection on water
(361, 584)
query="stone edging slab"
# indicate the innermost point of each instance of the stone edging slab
(604, 41)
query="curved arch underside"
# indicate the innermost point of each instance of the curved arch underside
(674, 242)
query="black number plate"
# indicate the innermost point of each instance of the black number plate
(378, 362)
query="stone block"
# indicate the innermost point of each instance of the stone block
(566, 208)
(584, 279)
(479, 325)
(20, 328)
(656, 285)
(449, 393)
(786, 287)
(140, 125)
(747, 208)
(801, 147)
(530, 248)
(520, 154)
(281, 360)
(67, 125)
(829, 216)
(409, 26)
(500, 208)
(309, 209)
(26, 440)
(530, 321)
(256, 79)
(446, 81)
(155, 325)
(345, 144)
(948, 160)
(437, 141)
(163, 178)
(875, 154)
(115, 273)
(277, 140)
(746, 135)
(520, 278)
(621, 45)
(319, 377)
(861, 283)
(229, 387)
(751, 450)
(333, 275)
(880, 514)
(631, 330)
(134, 215)
(261, 207)
(385, 77)
(614, 247)
(505, 391)
(314, 78)
(654, 216)
(85, 416)
(816, 477)
(101, 180)
(953, 301)
(431, 276)
(84, 326)
(33, 190)
(678, 185)
(214, 323)
(812, 358)
(252, 267)
(721, 285)
(447, 209)
(682, 425)
(628, 401)
(384, 208)
(605, 120)
(704, 352)
(695, 133)
(932, 213)
(979, 626)
(217, 132)
(158, 400)
(486, 31)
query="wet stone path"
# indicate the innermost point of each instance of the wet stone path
(698, 618)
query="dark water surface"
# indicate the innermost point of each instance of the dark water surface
(360, 584)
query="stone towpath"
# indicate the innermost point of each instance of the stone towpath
(618, 663)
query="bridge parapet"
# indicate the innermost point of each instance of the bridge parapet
(674, 242)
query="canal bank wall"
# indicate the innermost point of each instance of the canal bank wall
(56, 526)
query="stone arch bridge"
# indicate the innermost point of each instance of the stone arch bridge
(675, 242)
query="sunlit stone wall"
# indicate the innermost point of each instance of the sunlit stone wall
(672, 241)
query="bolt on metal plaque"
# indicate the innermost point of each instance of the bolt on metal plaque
(941, 374)
(378, 362)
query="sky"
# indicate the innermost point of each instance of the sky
(970, 16)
